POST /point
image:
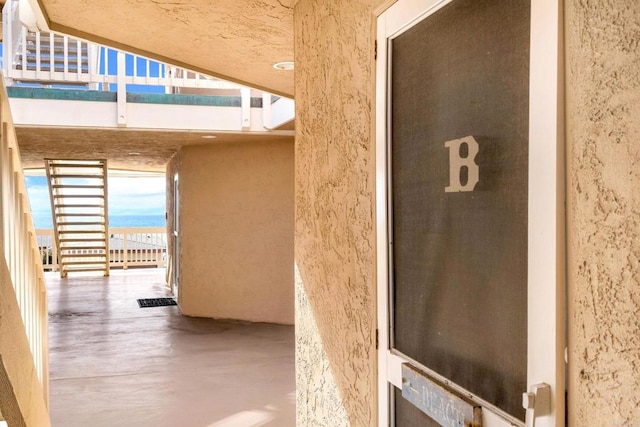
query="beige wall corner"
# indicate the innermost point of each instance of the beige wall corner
(173, 168)
(603, 129)
(22, 401)
(335, 240)
(318, 400)
(236, 231)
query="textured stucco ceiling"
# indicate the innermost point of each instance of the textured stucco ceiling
(238, 40)
(154, 148)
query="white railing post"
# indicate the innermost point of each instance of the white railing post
(172, 79)
(79, 59)
(146, 71)
(12, 33)
(38, 56)
(7, 46)
(65, 43)
(23, 49)
(93, 64)
(122, 90)
(245, 95)
(266, 110)
(105, 82)
(166, 78)
(135, 68)
(52, 56)
(125, 252)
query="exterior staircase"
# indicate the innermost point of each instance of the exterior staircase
(78, 191)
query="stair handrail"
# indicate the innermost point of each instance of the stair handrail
(19, 248)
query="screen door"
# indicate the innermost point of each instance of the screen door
(459, 147)
(456, 211)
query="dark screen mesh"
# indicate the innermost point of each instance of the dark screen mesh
(460, 258)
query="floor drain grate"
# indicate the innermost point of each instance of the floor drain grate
(156, 302)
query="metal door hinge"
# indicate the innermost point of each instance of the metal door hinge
(537, 402)
(375, 50)
(377, 340)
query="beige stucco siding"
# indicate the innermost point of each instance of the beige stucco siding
(603, 94)
(335, 240)
(236, 231)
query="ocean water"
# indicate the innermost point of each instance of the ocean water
(45, 221)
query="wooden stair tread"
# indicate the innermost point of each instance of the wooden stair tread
(81, 231)
(76, 165)
(67, 263)
(77, 186)
(80, 206)
(77, 214)
(84, 256)
(70, 175)
(83, 248)
(63, 224)
(77, 269)
(79, 196)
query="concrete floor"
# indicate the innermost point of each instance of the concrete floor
(114, 364)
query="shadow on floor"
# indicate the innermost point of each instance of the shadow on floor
(115, 364)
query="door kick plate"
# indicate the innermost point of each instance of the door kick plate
(437, 401)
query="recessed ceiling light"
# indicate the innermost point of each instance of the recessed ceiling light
(208, 136)
(285, 66)
(134, 153)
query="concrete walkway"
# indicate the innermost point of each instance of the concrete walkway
(114, 364)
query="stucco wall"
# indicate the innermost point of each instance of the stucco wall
(335, 241)
(603, 121)
(236, 231)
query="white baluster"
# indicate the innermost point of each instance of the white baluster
(65, 42)
(52, 54)
(38, 54)
(79, 59)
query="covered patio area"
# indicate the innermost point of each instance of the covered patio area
(113, 363)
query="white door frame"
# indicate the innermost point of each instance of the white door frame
(175, 236)
(546, 241)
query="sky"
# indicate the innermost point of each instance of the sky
(127, 196)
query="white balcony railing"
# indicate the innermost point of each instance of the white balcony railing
(128, 247)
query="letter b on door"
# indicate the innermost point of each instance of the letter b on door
(457, 164)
